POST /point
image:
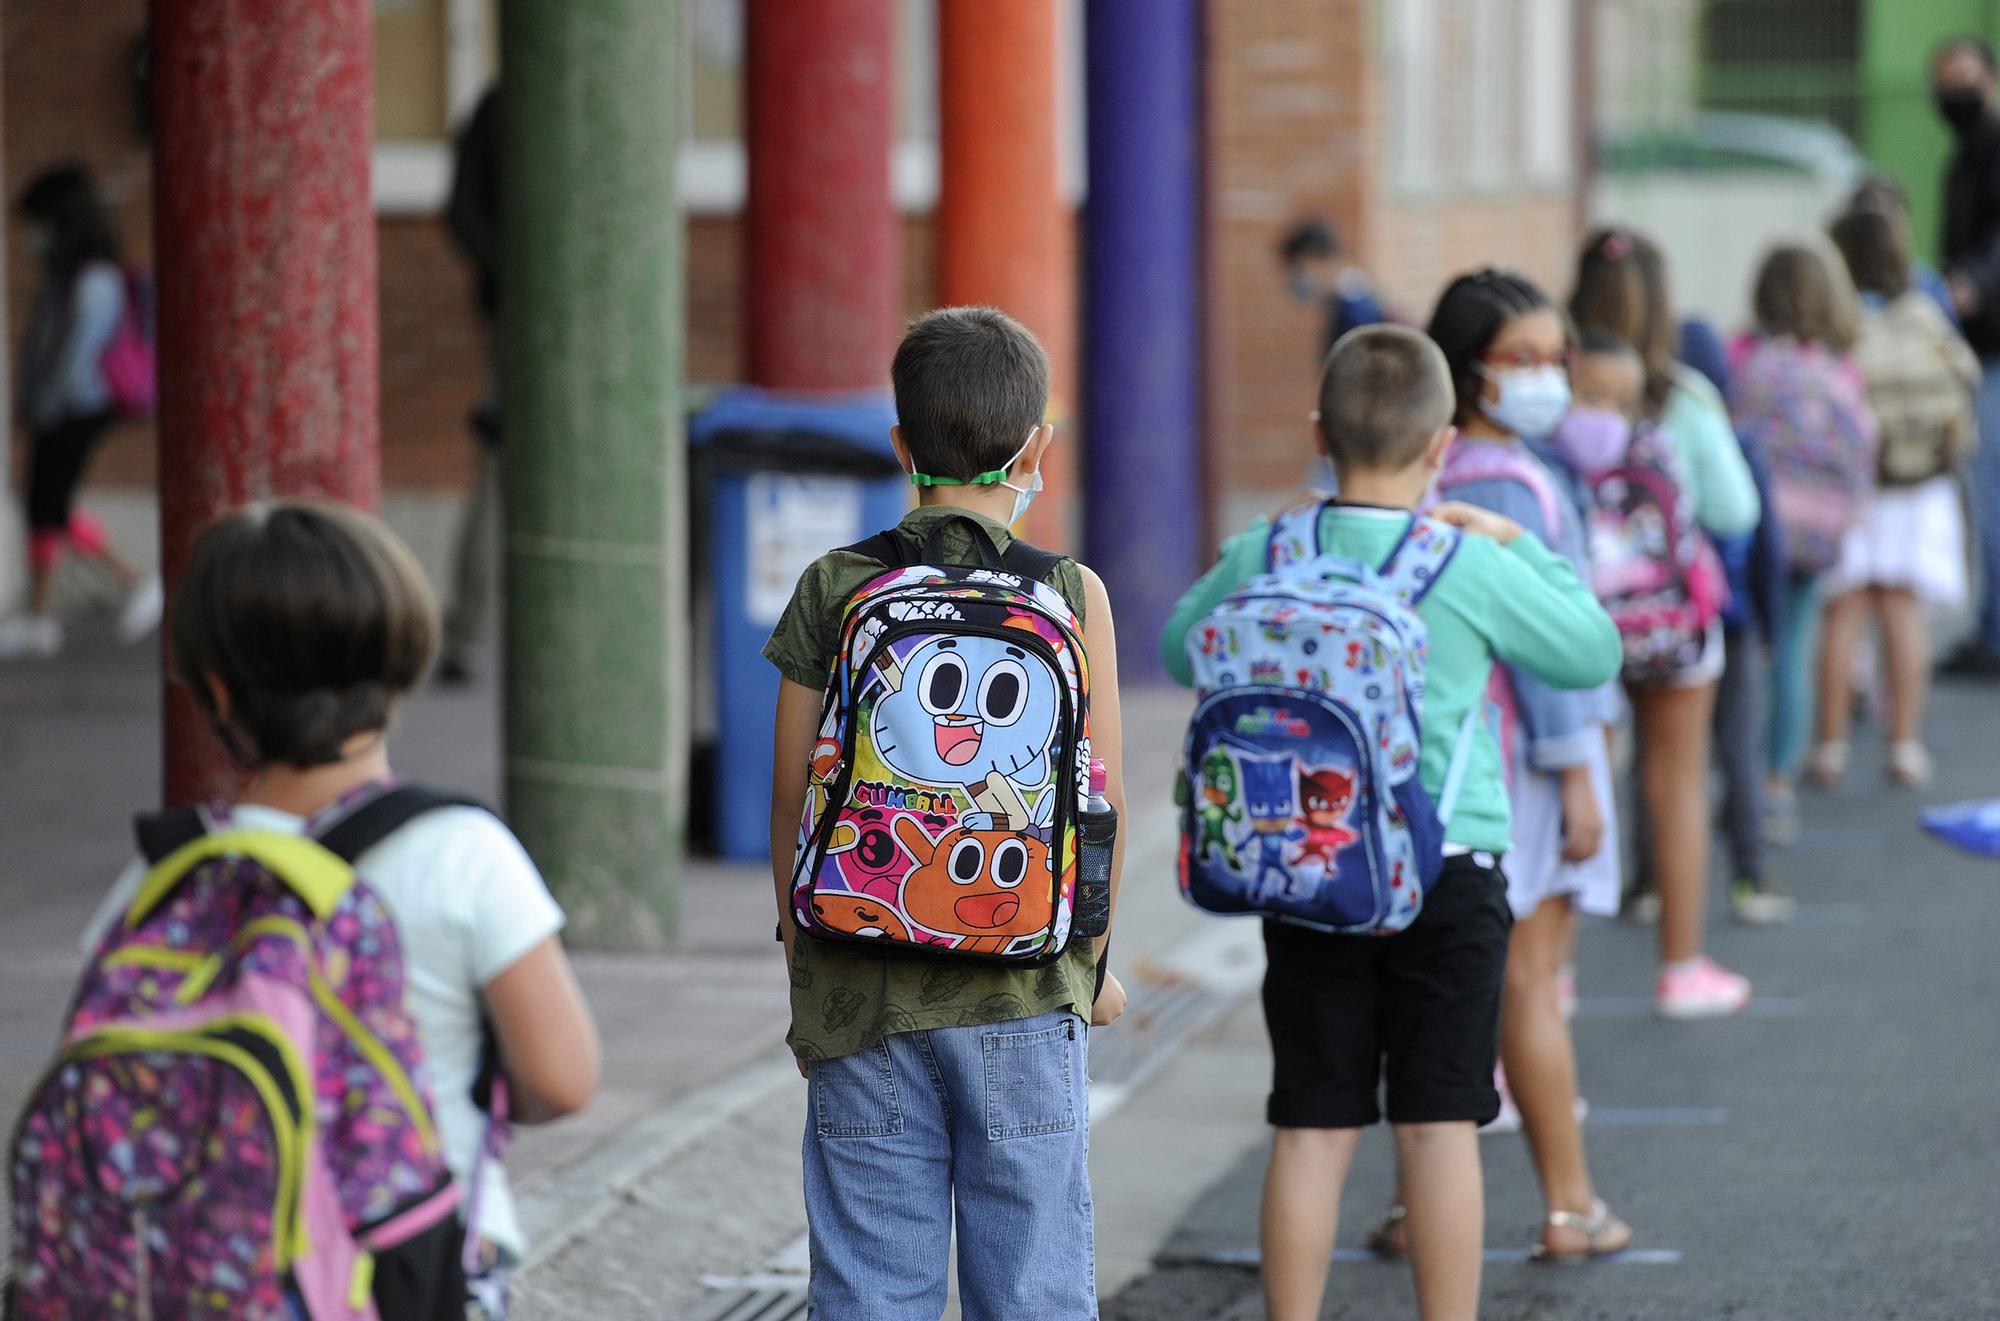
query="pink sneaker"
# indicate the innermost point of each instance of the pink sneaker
(1566, 990)
(1704, 990)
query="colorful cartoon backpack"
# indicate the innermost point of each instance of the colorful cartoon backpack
(1810, 411)
(237, 1120)
(1651, 566)
(1299, 788)
(952, 760)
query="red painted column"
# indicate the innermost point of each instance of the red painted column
(1000, 220)
(823, 250)
(264, 238)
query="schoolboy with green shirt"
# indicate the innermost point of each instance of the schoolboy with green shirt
(941, 1089)
(1426, 1001)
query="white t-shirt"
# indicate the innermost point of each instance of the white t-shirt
(467, 904)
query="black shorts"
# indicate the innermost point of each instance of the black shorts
(1421, 1007)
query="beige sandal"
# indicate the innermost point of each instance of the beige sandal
(1605, 1234)
(1389, 1240)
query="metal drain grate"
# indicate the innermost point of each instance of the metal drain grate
(775, 1304)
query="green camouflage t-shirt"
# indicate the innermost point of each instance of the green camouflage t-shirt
(844, 999)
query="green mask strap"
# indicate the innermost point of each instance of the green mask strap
(992, 478)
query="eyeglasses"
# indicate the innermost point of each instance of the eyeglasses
(1527, 359)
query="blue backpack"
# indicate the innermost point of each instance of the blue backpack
(1299, 791)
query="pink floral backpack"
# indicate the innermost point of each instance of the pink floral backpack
(237, 1122)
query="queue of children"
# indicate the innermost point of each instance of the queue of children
(1710, 512)
(1410, 698)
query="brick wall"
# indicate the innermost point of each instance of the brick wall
(1290, 134)
(1296, 128)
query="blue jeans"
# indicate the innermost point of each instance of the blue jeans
(993, 1119)
(1984, 480)
(1793, 675)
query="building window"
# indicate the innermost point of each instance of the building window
(433, 61)
(1410, 67)
(1549, 91)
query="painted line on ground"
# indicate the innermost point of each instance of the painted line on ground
(1251, 1258)
(1601, 1007)
(1830, 913)
(1685, 1116)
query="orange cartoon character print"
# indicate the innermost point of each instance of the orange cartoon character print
(984, 885)
(859, 915)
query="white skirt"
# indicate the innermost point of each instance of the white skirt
(1534, 866)
(1911, 537)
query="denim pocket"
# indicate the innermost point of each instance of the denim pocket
(1030, 1081)
(854, 1096)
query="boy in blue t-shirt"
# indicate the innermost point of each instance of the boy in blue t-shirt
(1422, 1006)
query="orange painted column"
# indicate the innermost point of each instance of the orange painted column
(1004, 237)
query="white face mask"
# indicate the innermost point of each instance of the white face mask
(1023, 495)
(1532, 400)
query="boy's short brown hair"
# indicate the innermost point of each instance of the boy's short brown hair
(314, 618)
(1385, 391)
(971, 385)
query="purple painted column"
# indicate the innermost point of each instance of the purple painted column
(1142, 357)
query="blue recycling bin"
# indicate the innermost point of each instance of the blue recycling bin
(782, 479)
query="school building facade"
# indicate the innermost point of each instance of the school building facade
(1435, 134)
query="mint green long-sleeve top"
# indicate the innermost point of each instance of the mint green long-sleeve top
(1714, 472)
(1520, 603)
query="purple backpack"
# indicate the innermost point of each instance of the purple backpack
(237, 1122)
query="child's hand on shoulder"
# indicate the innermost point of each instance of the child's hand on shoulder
(1480, 522)
(1110, 1002)
(1582, 818)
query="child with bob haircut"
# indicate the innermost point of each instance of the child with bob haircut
(299, 628)
(944, 1090)
(1420, 1008)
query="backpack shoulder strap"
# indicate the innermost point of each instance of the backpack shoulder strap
(1030, 562)
(1295, 534)
(162, 834)
(889, 548)
(1503, 463)
(1419, 558)
(377, 818)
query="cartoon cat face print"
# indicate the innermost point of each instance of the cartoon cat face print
(968, 706)
(1267, 790)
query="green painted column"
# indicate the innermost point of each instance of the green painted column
(595, 465)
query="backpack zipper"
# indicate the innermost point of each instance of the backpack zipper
(142, 1265)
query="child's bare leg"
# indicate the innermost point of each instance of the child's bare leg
(1673, 777)
(1846, 619)
(1906, 646)
(42, 590)
(1301, 1215)
(1541, 1060)
(118, 566)
(1447, 1216)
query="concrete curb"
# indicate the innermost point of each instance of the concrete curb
(570, 1204)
